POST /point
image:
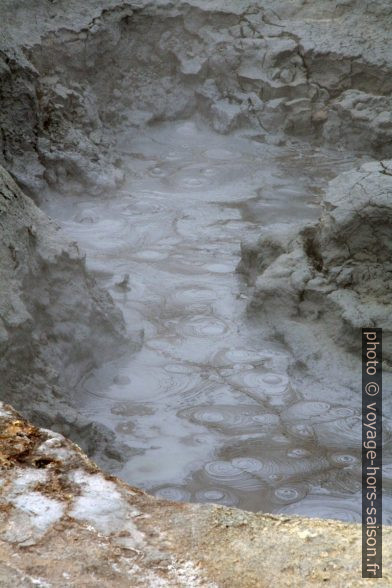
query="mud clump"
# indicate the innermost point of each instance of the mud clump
(334, 275)
(55, 321)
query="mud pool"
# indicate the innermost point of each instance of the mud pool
(208, 405)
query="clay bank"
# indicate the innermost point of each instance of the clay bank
(195, 222)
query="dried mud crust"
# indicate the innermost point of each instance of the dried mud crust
(63, 522)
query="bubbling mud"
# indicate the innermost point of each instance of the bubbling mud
(208, 402)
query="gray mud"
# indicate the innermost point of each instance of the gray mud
(175, 143)
(209, 401)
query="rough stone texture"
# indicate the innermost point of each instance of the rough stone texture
(65, 523)
(89, 72)
(55, 323)
(318, 285)
(75, 77)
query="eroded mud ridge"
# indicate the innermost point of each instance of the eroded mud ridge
(161, 137)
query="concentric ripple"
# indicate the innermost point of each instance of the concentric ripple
(314, 412)
(271, 383)
(201, 326)
(173, 156)
(233, 419)
(274, 389)
(298, 453)
(301, 431)
(344, 459)
(324, 506)
(157, 172)
(270, 421)
(193, 294)
(179, 368)
(248, 464)
(175, 493)
(270, 462)
(290, 494)
(228, 357)
(345, 433)
(218, 496)
(268, 470)
(193, 182)
(225, 473)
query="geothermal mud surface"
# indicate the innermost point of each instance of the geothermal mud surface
(209, 403)
(245, 390)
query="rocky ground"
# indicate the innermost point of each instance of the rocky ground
(331, 278)
(51, 312)
(63, 522)
(86, 72)
(75, 77)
